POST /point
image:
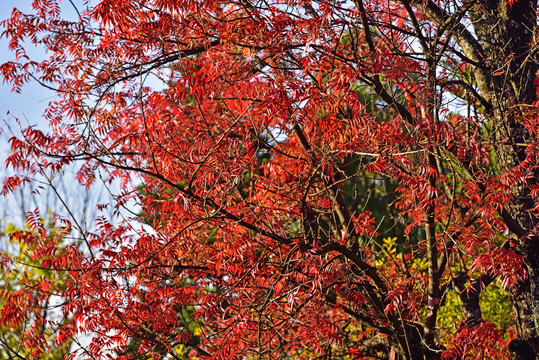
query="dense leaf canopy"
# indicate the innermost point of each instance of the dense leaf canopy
(306, 179)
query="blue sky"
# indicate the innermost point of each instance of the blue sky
(31, 102)
(28, 107)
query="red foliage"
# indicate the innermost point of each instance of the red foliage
(257, 138)
(482, 341)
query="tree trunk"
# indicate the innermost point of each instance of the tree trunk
(505, 33)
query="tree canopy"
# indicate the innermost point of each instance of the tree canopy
(306, 179)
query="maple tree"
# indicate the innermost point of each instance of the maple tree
(315, 179)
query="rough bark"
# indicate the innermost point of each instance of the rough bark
(505, 34)
(522, 310)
